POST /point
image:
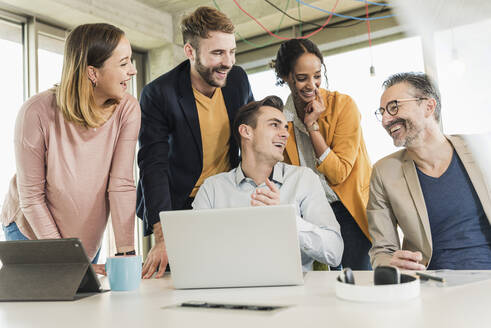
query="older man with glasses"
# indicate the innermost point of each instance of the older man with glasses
(432, 189)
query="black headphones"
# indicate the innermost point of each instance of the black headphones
(382, 275)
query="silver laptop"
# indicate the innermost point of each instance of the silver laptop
(233, 247)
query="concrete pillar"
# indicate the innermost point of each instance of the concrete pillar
(163, 59)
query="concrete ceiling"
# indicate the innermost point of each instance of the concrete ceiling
(260, 9)
(154, 23)
(145, 28)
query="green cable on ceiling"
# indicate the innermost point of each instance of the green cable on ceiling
(258, 46)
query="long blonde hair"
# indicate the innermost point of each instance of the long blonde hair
(87, 45)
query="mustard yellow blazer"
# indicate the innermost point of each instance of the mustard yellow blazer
(347, 167)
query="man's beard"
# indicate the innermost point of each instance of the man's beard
(411, 130)
(206, 73)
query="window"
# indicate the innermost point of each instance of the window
(50, 60)
(464, 75)
(348, 73)
(12, 88)
(263, 85)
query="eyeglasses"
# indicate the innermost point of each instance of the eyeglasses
(393, 107)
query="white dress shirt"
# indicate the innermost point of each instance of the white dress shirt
(318, 231)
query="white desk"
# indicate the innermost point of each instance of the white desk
(314, 304)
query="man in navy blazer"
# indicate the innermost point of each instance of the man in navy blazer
(171, 144)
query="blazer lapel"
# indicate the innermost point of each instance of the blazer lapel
(291, 146)
(473, 171)
(188, 107)
(230, 103)
(414, 187)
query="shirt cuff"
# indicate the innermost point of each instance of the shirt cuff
(323, 156)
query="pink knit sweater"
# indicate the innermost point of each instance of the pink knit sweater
(69, 177)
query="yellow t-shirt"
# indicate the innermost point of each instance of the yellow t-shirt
(215, 135)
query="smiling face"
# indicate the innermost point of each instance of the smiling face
(214, 58)
(268, 138)
(407, 125)
(305, 78)
(113, 76)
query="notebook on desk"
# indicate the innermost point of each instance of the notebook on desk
(233, 247)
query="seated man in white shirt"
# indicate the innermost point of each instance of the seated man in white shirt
(261, 179)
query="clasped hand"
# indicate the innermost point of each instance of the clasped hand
(266, 196)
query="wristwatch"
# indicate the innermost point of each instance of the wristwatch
(125, 253)
(313, 127)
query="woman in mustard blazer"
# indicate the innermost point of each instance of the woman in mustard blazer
(326, 136)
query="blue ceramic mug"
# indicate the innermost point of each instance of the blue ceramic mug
(124, 272)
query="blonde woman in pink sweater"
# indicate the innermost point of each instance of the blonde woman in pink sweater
(75, 146)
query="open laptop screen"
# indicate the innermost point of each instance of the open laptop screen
(233, 247)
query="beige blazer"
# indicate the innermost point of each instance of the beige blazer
(396, 199)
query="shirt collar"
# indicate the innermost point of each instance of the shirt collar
(239, 174)
(291, 115)
(276, 175)
(289, 109)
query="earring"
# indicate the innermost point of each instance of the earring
(93, 83)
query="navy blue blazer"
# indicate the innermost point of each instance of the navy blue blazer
(171, 153)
